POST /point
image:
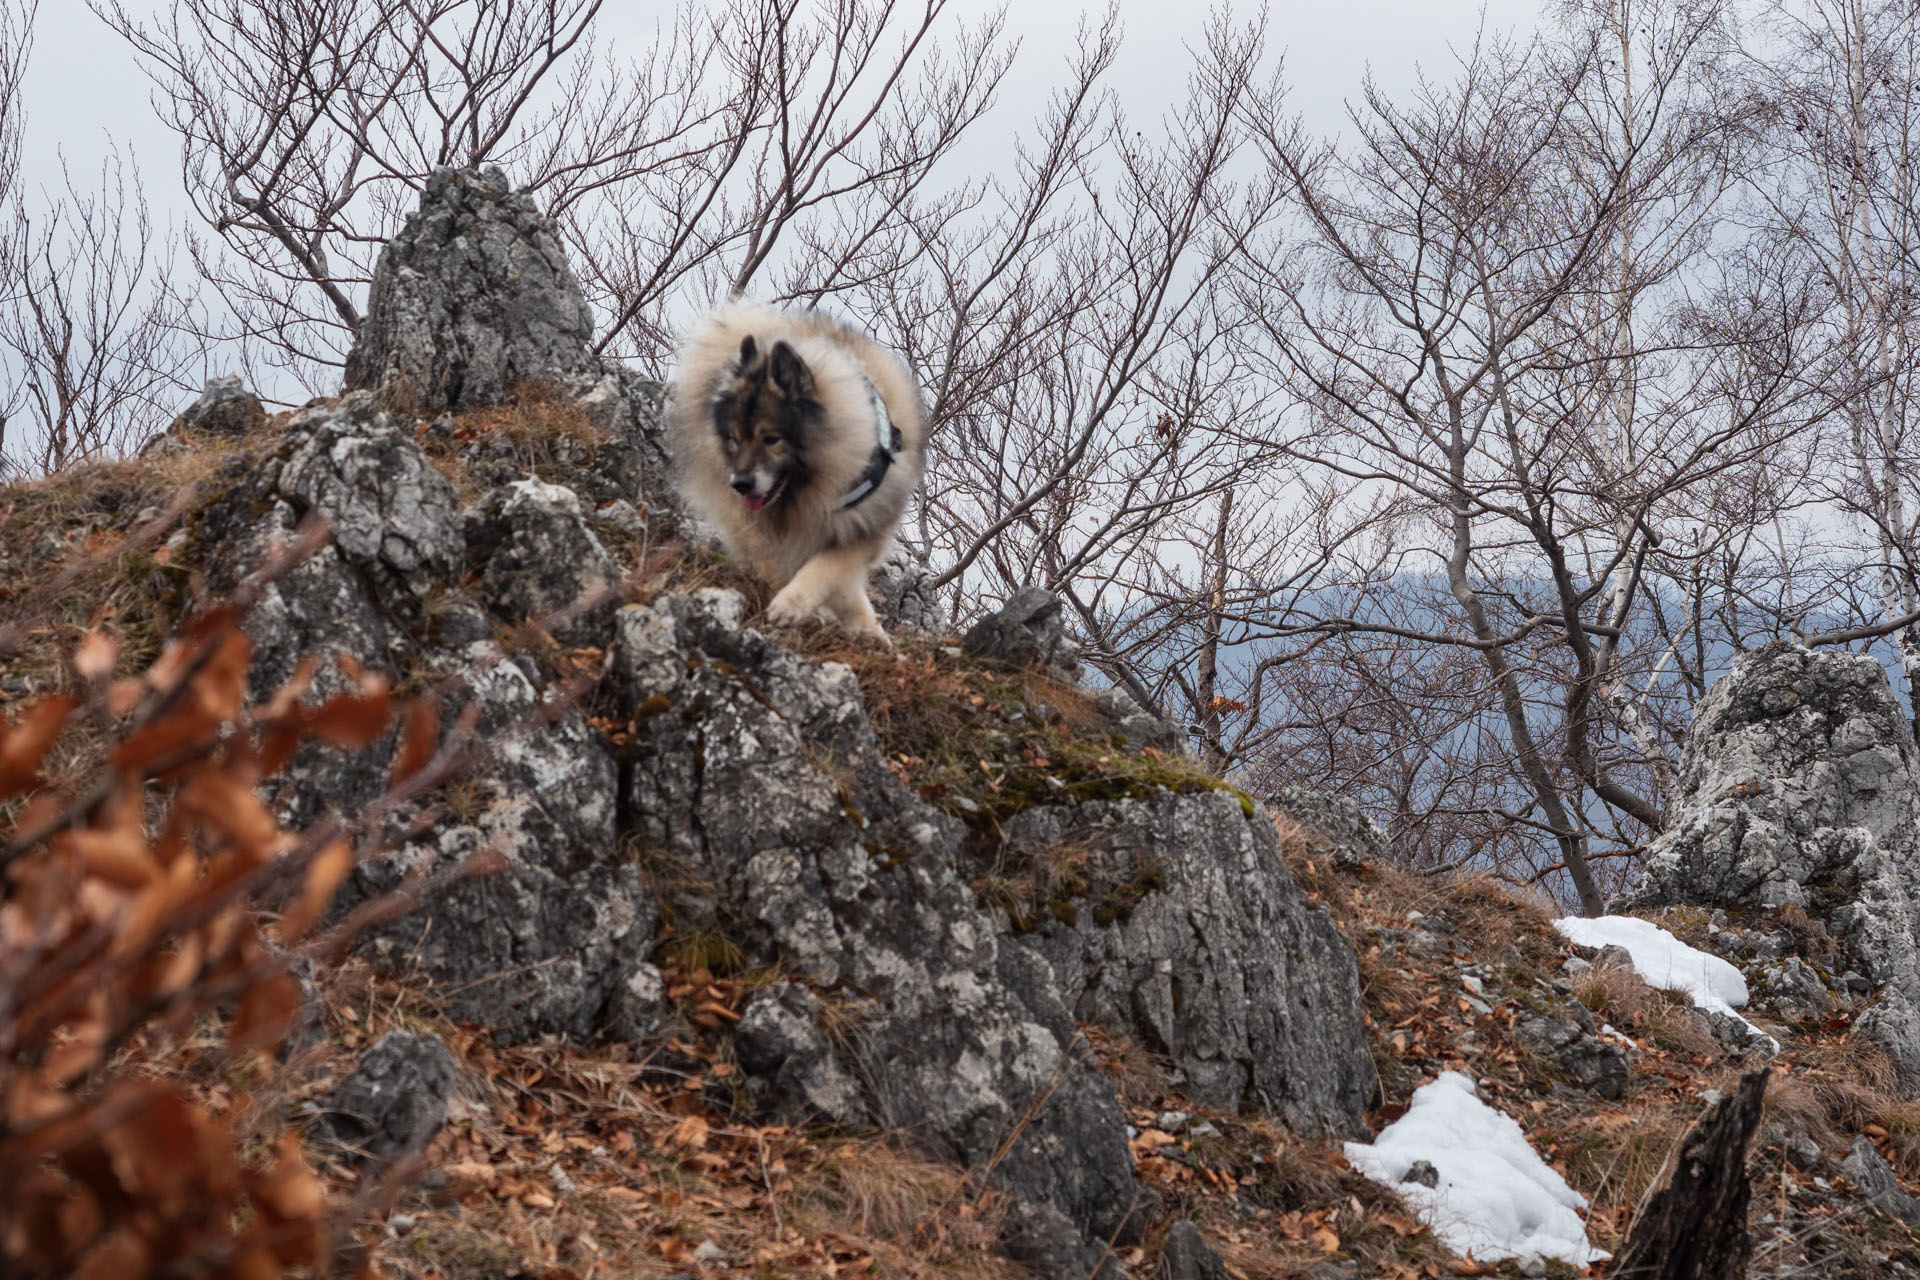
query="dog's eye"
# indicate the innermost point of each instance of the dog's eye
(769, 441)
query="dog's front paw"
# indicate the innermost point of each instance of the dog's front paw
(794, 610)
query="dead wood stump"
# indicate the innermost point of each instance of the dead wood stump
(1695, 1227)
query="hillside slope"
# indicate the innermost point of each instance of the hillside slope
(720, 951)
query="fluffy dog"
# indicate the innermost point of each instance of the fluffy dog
(801, 441)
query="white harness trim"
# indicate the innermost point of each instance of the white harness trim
(887, 446)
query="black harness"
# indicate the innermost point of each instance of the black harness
(887, 445)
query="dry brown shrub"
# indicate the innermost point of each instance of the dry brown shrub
(128, 931)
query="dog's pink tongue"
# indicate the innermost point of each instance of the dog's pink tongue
(754, 501)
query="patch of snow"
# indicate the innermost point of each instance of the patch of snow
(1495, 1197)
(1609, 1032)
(1664, 961)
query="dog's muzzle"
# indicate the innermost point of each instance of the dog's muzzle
(757, 489)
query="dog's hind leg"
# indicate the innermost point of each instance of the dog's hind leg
(832, 585)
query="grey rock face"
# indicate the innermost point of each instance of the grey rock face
(780, 1041)
(1339, 820)
(473, 302)
(1875, 1178)
(472, 298)
(1046, 1243)
(390, 512)
(758, 772)
(393, 1102)
(1801, 786)
(395, 533)
(538, 560)
(558, 940)
(632, 465)
(1220, 963)
(1588, 1061)
(393, 519)
(1187, 1257)
(225, 409)
(903, 597)
(1025, 632)
(1139, 726)
(638, 1004)
(1797, 992)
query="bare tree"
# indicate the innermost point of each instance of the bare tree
(1842, 81)
(755, 144)
(1495, 314)
(16, 45)
(92, 334)
(92, 352)
(1086, 401)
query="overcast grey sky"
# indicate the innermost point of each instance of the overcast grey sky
(83, 85)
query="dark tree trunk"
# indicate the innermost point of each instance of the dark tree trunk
(1695, 1228)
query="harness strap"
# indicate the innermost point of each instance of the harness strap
(887, 445)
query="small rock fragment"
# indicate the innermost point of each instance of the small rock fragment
(393, 1102)
(1422, 1172)
(1187, 1257)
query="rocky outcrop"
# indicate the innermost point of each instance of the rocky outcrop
(1800, 786)
(1186, 1256)
(1355, 838)
(757, 773)
(903, 596)
(558, 939)
(225, 410)
(1188, 931)
(395, 537)
(473, 298)
(746, 800)
(1878, 1183)
(473, 303)
(1025, 632)
(1572, 1046)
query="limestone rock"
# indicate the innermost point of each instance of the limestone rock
(1588, 1061)
(1796, 990)
(1187, 1257)
(903, 596)
(632, 465)
(1194, 936)
(395, 535)
(1139, 726)
(389, 511)
(393, 1102)
(472, 298)
(1025, 632)
(758, 773)
(1046, 1243)
(1875, 1178)
(780, 1041)
(537, 560)
(1339, 820)
(225, 410)
(1800, 786)
(556, 941)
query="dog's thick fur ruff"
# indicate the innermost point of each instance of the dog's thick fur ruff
(814, 550)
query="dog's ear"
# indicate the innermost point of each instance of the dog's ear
(747, 351)
(789, 372)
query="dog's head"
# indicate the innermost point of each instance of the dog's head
(763, 414)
